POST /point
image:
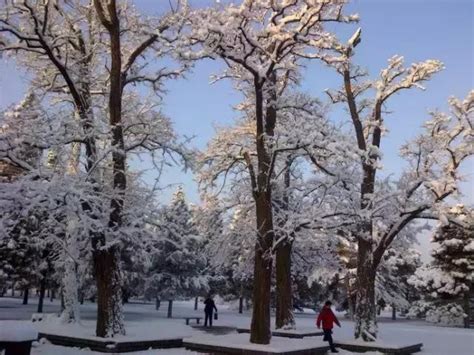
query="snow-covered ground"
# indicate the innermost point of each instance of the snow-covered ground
(143, 321)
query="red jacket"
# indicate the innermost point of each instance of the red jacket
(327, 317)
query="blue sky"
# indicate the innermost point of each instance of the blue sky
(438, 29)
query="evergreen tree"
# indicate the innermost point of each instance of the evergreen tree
(176, 267)
(448, 281)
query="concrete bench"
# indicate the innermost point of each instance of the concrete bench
(392, 349)
(16, 337)
(239, 344)
(112, 346)
(187, 319)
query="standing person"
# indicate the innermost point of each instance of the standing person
(209, 308)
(327, 317)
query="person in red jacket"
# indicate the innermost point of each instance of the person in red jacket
(327, 318)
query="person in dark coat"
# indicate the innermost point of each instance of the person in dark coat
(209, 308)
(327, 318)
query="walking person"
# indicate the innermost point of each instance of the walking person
(209, 308)
(327, 318)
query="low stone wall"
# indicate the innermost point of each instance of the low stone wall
(112, 346)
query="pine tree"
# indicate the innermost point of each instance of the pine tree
(21, 252)
(455, 258)
(448, 282)
(176, 266)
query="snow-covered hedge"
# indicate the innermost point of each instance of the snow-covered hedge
(419, 309)
(450, 315)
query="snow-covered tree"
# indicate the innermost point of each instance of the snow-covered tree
(399, 263)
(260, 42)
(233, 254)
(208, 219)
(176, 266)
(26, 259)
(447, 283)
(84, 57)
(433, 164)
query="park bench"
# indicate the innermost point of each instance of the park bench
(16, 337)
(187, 319)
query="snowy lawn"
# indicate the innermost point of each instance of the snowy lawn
(142, 320)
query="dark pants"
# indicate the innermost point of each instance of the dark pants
(208, 316)
(328, 338)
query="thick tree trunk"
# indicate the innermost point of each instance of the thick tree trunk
(284, 297)
(260, 327)
(25, 295)
(53, 295)
(196, 300)
(170, 309)
(106, 261)
(394, 312)
(262, 193)
(241, 304)
(157, 303)
(365, 325)
(41, 295)
(109, 292)
(284, 292)
(365, 322)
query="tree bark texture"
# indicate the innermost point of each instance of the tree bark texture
(106, 259)
(109, 292)
(365, 320)
(260, 326)
(260, 332)
(284, 295)
(284, 292)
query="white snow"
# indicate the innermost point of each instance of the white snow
(12, 330)
(242, 341)
(143, 321)
(159, 329)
